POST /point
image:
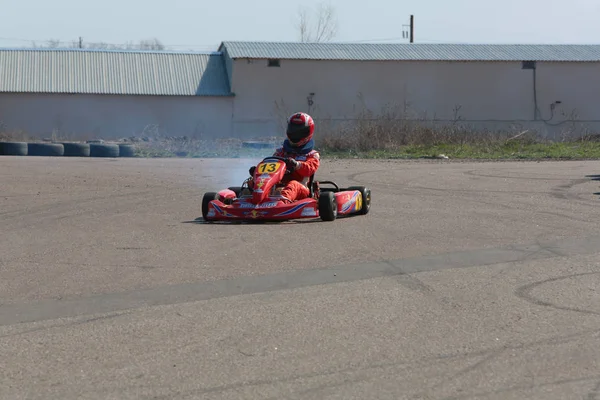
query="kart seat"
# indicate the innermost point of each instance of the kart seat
(311, 185)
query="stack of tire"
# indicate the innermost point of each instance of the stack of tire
(67, 149)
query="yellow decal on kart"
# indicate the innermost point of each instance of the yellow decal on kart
(359, 201)
(268, 167)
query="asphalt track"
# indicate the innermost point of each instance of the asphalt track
(465, 281)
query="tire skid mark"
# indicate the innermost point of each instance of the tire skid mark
(101, 265)
(353, 177)
(485, 359)
(559, 191)
(285, 280)
(477, 173)
(595, 393)
(422, 362)
(524, 292)
(418, 190)
(51, 207)
(407, 186)
(565, 216)
(566, 381)
(482, 191)
(67, 324)
(64, 210)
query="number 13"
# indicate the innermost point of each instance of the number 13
(268, 167)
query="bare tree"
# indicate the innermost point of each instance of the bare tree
(151, 44)
(325, 27)
(52, 43)
(147, 44)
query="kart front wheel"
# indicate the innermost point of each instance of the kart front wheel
(366, 199)
(207, 198)
(328, 206)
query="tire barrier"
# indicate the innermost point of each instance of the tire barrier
(13, 148)
(104, 150)
(76, 149)
(96, 148)
(126, 150)
(45, 149)
(258, 145)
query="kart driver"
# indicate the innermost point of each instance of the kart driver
(301, 158)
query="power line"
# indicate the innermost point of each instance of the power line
(80, 42)
(372, 40)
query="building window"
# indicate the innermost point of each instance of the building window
(274, 63)
(528, 64)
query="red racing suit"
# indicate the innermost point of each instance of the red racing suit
(296, 183)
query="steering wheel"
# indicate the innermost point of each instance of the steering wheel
(274, 157)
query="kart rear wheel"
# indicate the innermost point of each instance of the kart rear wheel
(328, 206)
(366, 199)
(207, 198)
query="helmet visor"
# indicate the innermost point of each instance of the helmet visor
(296, 133)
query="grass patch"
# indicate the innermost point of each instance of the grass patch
(536, 151)
(391, 135)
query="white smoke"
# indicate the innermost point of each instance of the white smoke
(220, 173)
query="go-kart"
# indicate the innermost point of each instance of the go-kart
(264, 202)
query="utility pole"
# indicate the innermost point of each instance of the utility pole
(411, 30)
(80, 42)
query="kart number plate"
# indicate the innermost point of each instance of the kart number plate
(268, 168)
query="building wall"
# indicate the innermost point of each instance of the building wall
(488, 94)
(484, 94)
(575, 85)
(113, 117)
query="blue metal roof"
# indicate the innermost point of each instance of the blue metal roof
(113, 72)
(412, 51)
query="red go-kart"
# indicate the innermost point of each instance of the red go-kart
(264, 203)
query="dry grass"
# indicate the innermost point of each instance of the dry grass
(390, 131)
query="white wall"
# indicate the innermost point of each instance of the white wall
(577, 86)
(490, 94)
(112, 117)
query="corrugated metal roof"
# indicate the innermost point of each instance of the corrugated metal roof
(112, 72)
(413, 51)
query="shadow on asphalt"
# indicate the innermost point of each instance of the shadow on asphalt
(593, 177)
(201, 221)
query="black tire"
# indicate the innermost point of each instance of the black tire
(104, 150)
(126, 150)
(45, 149)
(207, 198)
(327, 206)
(13, 148)
(253, 144)
(76, 149)
(366, 199)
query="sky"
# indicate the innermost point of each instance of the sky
(201, 25)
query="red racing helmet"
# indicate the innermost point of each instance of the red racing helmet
(300, 129)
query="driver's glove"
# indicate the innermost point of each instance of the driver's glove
(291, 164)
